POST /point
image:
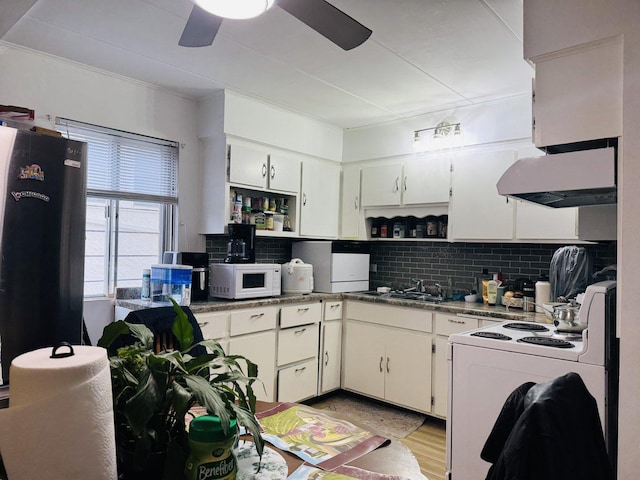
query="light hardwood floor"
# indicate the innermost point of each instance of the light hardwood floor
(427, 444)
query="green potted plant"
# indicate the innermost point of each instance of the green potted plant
(153, 393)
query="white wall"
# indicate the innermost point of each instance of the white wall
(55, 87)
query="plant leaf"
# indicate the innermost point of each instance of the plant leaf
(143, 404)
(182, 328)
(111, 332)
(210, 398)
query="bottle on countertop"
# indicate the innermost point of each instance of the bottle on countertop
(492, 290)
(543, 292)
(145, 292)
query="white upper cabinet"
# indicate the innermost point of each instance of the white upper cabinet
(537, 222)
(256, 168)
(476, 211)
(352, 220)
(578, 94)
(320, 199)
(381, 185)
(423, 179)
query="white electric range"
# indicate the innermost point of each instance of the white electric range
(487, 364)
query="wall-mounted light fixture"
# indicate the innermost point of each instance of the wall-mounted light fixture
(445, 135)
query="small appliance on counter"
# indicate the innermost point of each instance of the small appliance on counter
(170, 280)
(242, 243)
(339, 266)
(244, 280)
(297, 277)
(199, 275)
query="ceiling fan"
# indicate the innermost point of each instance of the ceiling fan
(320, 15)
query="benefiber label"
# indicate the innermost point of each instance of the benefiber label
(216, 470)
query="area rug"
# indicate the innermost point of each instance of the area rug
(383, 419)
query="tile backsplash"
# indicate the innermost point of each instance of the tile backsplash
(398, 262)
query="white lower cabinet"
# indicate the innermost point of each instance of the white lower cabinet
(445, 325)
(385, 359)
(252, 334)
(330, 347)
(297, 358)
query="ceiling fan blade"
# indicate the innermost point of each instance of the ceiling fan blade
(201, 28)
(328, 20)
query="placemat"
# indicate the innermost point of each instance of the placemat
(272, 467)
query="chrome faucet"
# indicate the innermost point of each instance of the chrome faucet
(419, 285)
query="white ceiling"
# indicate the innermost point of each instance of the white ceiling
(423, 56)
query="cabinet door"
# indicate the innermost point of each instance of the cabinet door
(407, 366)
(476, 211)
(248, 166)
(298, 382)
(440, 376)
(331, 356)
(284, 173)
(426, 179)
(260, 348)
(352, 225)
(364, 359)
(320, 208)
(537, 222)
(381, 185)
(578, 95)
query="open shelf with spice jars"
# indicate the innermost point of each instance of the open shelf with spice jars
(273, 213)
(429, 227)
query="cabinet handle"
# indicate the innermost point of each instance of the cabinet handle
(405, 183)
(396, 185)
(326, 358)
(257, 315)
(273, 172)
(203, 324)
(303, 309)
(304, 199)
(381, 360)
(300, 332)
(264, 170)
(300, 369)
(459, 322)
(335, 305)
(387, 364)
(355, 202)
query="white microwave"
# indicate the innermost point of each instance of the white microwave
(244, 280)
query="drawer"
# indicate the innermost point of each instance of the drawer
(253, 320)
(450, 324)
(214, 325)
(298, 343)
(298, 382)
(301, 314)
(333, 310)
(401, 317)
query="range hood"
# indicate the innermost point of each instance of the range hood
(571, 179)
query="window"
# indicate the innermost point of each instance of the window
(132, 201)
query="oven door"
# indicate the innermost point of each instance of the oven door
(480, 380)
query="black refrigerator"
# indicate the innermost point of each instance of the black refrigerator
(43, 183)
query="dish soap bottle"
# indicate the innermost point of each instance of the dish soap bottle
(492, 290)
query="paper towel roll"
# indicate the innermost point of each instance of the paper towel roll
(59, 424)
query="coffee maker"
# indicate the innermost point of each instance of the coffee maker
(200, 273)
(242, 243)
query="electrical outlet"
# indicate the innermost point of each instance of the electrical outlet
(373, 267)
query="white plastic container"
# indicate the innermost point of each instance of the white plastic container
(543, 294)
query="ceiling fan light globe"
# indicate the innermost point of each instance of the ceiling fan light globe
(235, 9)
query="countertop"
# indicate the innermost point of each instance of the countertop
(453, 307)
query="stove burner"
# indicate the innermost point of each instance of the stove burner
(546, 342)
(493, 335)
(531, 327)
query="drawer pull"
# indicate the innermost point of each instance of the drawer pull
(335, 305)
(203, 324)
(300, 332)
(302, 369)
(257, 315)
(387, 364)
(459, 322)
(381, 360)
(303, 310)
(326, 358)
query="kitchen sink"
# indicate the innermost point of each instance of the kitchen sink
(417, 296)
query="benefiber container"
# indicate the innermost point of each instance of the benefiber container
(170, 280)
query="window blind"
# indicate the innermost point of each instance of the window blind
(126, 165)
